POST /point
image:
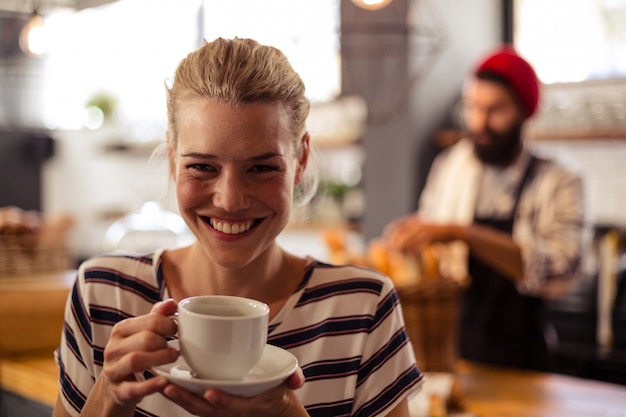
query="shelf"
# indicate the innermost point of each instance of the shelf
(597, 135)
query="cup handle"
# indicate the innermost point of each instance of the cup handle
(175, 318)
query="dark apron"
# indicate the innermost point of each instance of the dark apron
(498, 324)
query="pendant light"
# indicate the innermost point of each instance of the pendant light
(372, 4)
(32, 36)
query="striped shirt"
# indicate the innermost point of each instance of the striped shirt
(344, 324)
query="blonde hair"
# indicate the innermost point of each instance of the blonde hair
(239, 71)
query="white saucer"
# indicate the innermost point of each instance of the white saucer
(275, 366)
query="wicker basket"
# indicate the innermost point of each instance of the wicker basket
(430, 301)
(431, 310)
(18, 259)
(30, 243)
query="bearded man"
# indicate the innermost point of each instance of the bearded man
(512, 222)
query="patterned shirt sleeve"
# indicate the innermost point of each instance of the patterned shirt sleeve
(550, 230)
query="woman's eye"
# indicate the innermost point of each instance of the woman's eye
(264, 168)
(200, 167)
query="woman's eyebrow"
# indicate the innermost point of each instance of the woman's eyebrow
(197, 155)
(261, 157)
(265, 156)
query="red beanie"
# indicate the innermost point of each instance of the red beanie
(518, 72)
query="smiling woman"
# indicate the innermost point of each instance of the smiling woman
(237, 148)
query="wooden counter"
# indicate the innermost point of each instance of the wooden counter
(31, 316)
(31, 376)
(31, 321)
(487, 391)
(500, 392)
(31, 311)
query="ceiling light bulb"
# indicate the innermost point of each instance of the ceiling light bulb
(33, 36)
(372, 4)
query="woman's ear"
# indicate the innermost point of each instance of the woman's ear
(303, 158)
(171, 161)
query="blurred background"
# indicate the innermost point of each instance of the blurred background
(82, 115)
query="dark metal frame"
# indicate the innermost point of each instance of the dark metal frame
(508, 20)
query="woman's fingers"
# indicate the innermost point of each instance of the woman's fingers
(137, 344)
(154, 322)
(165, 307)
(122, 367)
(295, 380)
(126, 355)
(214, 401)
(130, 391)
(194, 404)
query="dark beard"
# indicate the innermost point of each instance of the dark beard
(502, 148)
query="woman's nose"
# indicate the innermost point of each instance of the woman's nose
(230, 193)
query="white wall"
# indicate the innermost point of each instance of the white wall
(471, 29)
(96, 186)
(397, 153)
(600, 163)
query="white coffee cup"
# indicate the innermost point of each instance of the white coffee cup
(222, 337)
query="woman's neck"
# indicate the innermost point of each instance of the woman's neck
(271, 278)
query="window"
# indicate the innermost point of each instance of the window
(129, 48)
(572, 40)
(307, 31)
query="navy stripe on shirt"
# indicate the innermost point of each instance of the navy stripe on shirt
(129, 284)
(71, 343)
(349, 286)
(391, 393)
(80, 314)
(331, 368)
(386, 307)
(335, 409)
(377, 360)
(106, 315)
(70, 392)
(331, 327)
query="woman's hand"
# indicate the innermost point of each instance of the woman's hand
(277, 402)
(136, 344)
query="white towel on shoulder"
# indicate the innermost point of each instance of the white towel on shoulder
(450, 197)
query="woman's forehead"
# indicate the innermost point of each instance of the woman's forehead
(252, 128)
(215, 114)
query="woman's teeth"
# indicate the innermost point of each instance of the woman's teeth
(231, 228)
